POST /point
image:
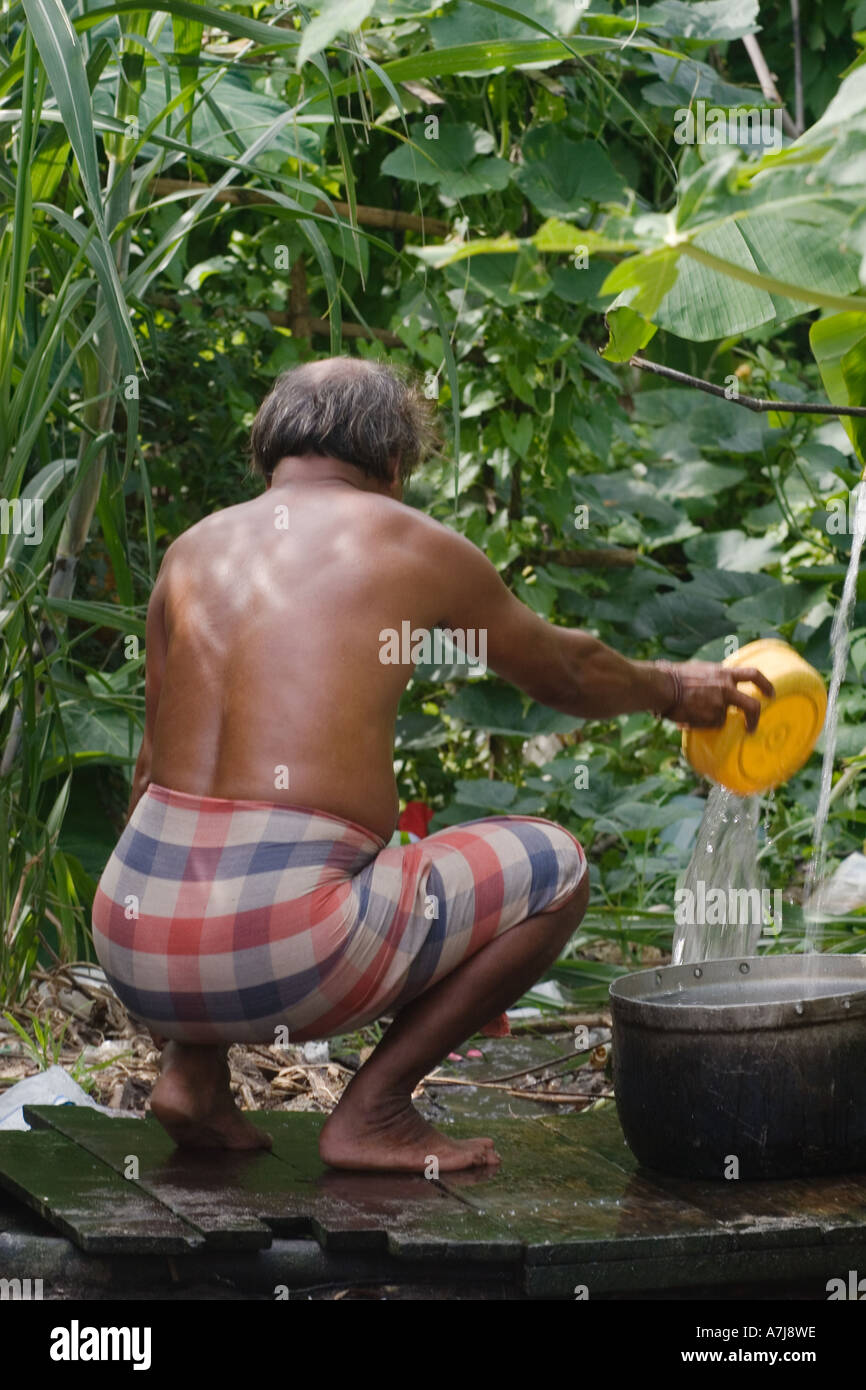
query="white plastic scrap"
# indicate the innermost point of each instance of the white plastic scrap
(52, 1087)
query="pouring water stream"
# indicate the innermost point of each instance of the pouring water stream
(724, 869)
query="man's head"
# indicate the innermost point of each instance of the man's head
(363, 413)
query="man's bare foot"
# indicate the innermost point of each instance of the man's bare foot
(193, 1101)
(394, 1137)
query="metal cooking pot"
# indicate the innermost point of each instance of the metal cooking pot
(761, 1060)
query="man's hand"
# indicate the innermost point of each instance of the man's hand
(702, 692)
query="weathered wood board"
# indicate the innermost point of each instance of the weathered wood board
(237, 1200)
(98, 1210)
(569, 1207)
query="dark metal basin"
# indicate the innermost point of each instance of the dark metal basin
(760, 1059)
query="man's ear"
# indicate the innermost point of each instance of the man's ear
(396, 488)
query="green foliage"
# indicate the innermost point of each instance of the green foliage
(142, 326)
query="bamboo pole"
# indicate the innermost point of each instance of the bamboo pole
(284, 319)
(367, 216)
(614, 557)
(298, 317)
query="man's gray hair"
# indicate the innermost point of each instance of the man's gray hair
(365, 413)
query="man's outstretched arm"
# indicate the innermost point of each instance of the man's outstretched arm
(570, 670)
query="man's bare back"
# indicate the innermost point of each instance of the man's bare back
(273, 688)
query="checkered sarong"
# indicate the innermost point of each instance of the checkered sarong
(220, 920)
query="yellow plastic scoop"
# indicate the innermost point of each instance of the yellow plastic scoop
(787, 730)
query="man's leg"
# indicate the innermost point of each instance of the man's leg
(193, 1101)
(375, 1124)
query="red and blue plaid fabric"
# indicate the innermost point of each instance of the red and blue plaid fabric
(220, 920)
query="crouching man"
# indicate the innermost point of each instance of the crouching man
(252, 888)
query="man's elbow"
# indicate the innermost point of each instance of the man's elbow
(559, 687)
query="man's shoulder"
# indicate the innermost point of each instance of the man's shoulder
(398, 523)
(204, 532)
(423, 529)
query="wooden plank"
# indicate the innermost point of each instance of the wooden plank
(410, 1216)
(786, 1211)
(775, 1265)
(86, 1200)
(568, 1203)
(237, 1200)
(218, 1193)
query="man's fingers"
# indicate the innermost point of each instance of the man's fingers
(749, 705)
(749, 673)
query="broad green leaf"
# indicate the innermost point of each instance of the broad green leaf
(789, 250)
(579, 286)
(628, 331)
(388, 10)
(517, 432)
(484, 793)
(707, 20)
(530, 279)
(467, 23)
(499, 710)
(100, 733)
(492, 276)
(557, 236)
(417, 731)
(334, 17)
(643, 281)
(703, 305)
(458, 157)
(849, 101)
(838, 343)
(773, 607)
(561, 177)
(449, 253)
(697, 479)
(685, 80)
(733, 550)
(680, 620)
(687, 424)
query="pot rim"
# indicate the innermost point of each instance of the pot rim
(632, 999)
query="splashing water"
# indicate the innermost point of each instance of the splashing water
(722, 905)
(840, 643)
